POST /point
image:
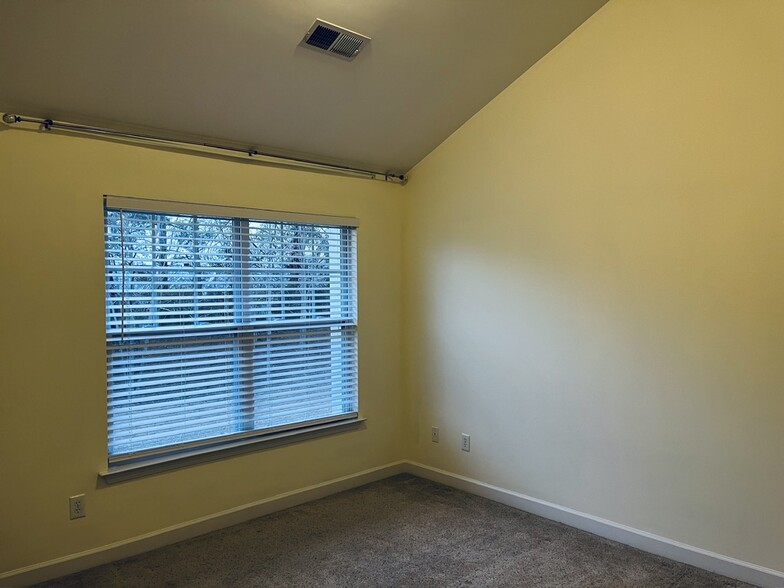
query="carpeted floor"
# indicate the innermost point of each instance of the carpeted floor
(403, 531)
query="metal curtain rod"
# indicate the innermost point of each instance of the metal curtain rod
(52, 125)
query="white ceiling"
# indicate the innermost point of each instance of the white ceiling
(232, 70)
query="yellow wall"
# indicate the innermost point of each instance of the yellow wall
(52, 415)
(595, 278)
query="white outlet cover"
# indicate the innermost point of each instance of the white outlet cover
(77, 506)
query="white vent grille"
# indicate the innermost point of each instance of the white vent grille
(329, 38)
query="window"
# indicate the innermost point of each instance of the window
(224, 324)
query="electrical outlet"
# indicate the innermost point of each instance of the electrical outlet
(434, 434)
(465, 442)
(77, 506)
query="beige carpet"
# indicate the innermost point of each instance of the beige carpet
(403, 531)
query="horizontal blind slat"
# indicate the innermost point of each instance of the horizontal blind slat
(213, 411)
(196, 346)
(205, 385)
(270, 373)
(340, 388)
(156, 427)
(280, 328)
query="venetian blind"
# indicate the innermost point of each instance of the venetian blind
(225, 323)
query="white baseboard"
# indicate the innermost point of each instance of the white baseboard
(76, 562)
(688, 554)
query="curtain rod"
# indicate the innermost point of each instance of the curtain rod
(48, 124)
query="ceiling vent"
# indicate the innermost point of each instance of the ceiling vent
(328, 38)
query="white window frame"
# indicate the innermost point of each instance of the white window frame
(123, 464)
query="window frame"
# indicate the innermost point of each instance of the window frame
(131, 464)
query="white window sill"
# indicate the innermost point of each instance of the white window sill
(152, 466)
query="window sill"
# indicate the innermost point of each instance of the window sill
(149, 467)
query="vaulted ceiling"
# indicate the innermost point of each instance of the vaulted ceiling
(233, 70)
